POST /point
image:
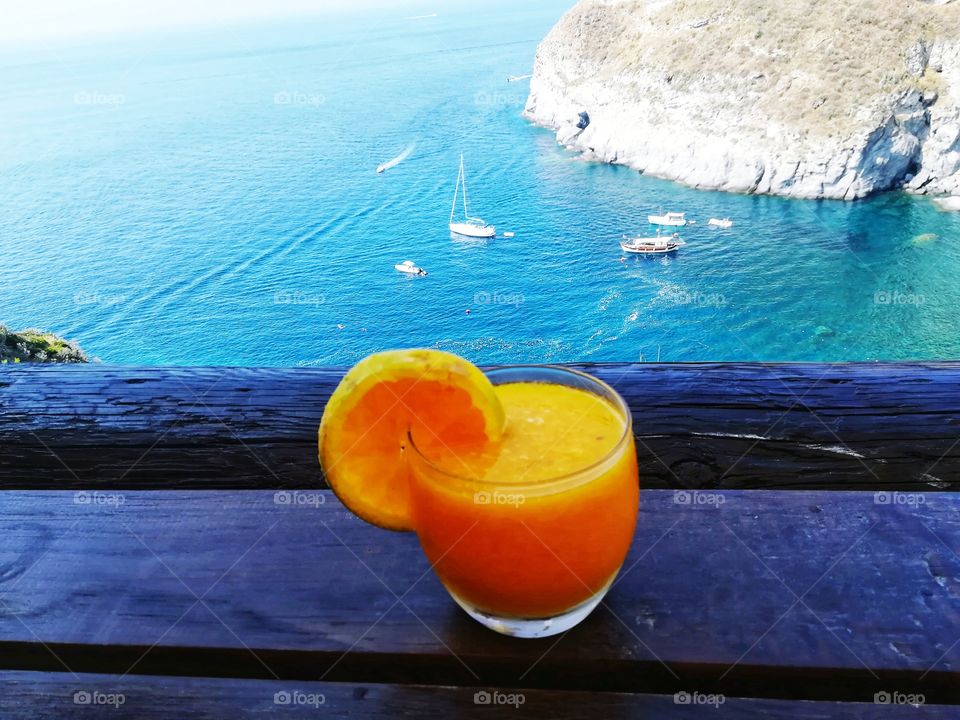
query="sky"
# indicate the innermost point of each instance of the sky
(26, 23)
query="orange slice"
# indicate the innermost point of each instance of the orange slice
(443, 401)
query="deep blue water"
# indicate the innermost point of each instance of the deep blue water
(209, 197)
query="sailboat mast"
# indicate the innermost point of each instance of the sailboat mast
(463, 174)
(456, 190)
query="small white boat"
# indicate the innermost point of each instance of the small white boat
(652, 245)
(408, 267)
(397, 160)
(470, 226)
(720, 222)
(672, 219)
(516, 78)
(509, 234)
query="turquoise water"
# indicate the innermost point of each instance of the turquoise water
(209, 197)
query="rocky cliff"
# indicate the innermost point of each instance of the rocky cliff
(807, 98)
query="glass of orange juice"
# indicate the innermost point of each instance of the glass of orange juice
(529, 538)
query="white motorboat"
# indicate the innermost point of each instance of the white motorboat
(720, 222)
(516, 78)
(652, 245)
(408, 267)
(672, 219)
(469, 226)
(397, 160)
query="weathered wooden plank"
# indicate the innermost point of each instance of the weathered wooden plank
(53, 696)
(829, 596)
(698, 425)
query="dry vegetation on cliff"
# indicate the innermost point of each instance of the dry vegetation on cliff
(817, 61)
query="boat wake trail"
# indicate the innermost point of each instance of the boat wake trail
(612, 296)
(398, 159)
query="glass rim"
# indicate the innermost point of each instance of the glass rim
(615, 399)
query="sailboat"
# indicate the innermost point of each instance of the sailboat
(471, 226)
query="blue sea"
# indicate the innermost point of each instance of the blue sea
(208, 195)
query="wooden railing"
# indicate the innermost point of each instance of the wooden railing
(165, 535)
(723, 425)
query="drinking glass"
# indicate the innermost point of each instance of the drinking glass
(532, 558)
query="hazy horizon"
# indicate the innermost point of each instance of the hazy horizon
(27, 25)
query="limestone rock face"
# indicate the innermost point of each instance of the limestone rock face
(808, 98)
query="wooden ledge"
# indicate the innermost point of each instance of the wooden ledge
(822, 596)
(728, 425)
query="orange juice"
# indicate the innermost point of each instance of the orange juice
(541, 526)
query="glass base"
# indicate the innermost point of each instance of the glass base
(535, 627)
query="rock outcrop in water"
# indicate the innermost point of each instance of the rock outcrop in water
(806, 98)
(38, 346)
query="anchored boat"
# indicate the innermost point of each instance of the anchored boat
(408, 267)
(470, 226)
(672, 219)
(651, 245)
(720, 223)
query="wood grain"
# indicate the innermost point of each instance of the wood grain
(50, 696)
(823, 596)
(726, 425)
